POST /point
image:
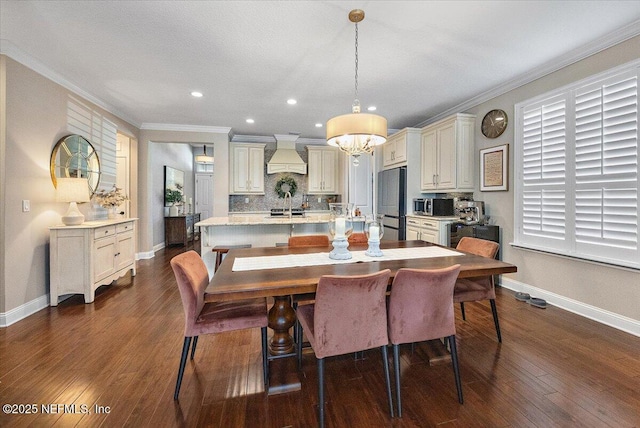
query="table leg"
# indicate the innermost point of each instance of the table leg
(281, 318)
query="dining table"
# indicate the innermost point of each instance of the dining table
(283, 272)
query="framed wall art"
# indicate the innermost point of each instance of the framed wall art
(494, 168)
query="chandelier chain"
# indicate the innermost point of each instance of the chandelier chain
(356, 60)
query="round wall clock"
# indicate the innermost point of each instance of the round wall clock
(494, 123)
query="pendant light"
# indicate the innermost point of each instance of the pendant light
(356, 133)
(204, 158)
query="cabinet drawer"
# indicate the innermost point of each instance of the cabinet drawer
(430, 224)
(102, 232)
(413, 222)
(124, 227)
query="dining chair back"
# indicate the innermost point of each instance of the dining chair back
(349, 315)
(212, 317)
(308, 240)
(357, 238)
(478, 288)
(420, 309)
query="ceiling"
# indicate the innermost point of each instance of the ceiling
(417, 59)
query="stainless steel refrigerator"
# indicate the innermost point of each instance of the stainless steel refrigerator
(392, 190)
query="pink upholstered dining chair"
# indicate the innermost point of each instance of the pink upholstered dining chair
(421, 308)
(213, 317)
(478, 288)
(308, 240)
(349, 315)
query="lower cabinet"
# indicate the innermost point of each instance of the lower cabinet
(180, 229)
(85, 257)
(429, 229)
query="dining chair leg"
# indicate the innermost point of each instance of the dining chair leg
(193, 346)
(396, 369)
(183, 362)
(494, 311)
(456, 369)
(265, 357)
(385, 364)
(321, 391)
(464, 318)
(294, 304)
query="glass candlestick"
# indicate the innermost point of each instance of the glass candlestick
(374, 229)
(340, 227)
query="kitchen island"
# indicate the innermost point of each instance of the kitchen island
(257, 229)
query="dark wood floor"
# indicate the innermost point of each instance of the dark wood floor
(121, 352)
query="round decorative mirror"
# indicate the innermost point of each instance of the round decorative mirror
(74, 156)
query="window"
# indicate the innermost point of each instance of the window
(82, 120)
(576, 161)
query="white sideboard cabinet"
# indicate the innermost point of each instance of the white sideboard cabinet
(87, 256)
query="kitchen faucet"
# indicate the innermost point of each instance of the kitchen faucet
(284, 205)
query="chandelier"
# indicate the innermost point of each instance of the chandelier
(204, 158)
(356, 133)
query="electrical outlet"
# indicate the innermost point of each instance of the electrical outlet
(319, 200)
(26, 205)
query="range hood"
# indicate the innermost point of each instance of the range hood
(286, 158)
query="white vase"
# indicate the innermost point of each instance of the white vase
(173, 210)
(111, 213)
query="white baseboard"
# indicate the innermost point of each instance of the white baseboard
(603, 316)
(145, 255)
(158, 247)
(23, 311)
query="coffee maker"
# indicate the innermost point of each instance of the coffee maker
(470, 212)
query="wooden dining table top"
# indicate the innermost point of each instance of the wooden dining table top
(227, 284)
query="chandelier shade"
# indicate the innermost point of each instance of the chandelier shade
(357, 133)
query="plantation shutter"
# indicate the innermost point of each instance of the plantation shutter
(577, 167)
(607, 164)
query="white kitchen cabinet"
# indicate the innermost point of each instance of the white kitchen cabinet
(429, 229)
(447, 155)
(394, 151)
(323, 170)
(413, 229)
(247, 169)
(87, 256)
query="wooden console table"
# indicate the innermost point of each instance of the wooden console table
(180, 229)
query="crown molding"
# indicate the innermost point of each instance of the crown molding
(9, 49)
(620, 35)
(185, 128)
(238, 138)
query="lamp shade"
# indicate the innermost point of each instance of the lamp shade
(357, 132)
(72, 190)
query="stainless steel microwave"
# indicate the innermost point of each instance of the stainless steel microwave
(433, 206)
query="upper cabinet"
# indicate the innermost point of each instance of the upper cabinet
(323, 170)
(247, 169)
(394, 151)
(447, 155)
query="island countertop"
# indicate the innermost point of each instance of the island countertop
(262, 219)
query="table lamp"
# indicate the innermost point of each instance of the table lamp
(72, 190)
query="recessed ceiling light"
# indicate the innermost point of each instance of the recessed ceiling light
(291, 101)
(250, 121)
(372, 108)
(318, 125)
(196, 94)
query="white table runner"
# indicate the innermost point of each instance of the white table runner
(318, 259)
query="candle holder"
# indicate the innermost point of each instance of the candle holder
(374, 229)
(340, 227)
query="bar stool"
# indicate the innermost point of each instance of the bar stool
(220, 250)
